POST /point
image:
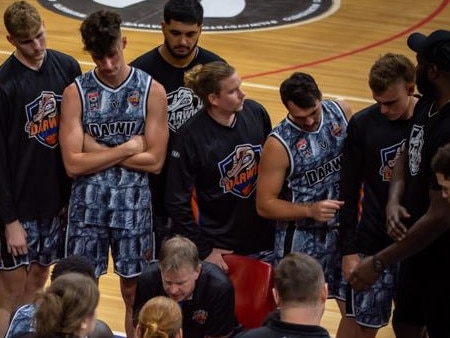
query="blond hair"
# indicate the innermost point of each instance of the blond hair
(160, 317)
(22, 19)
(390, 69)
(177, 252)
(205, 79)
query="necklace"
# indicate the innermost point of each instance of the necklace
(431, 113)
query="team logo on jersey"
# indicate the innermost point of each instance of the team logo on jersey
(115, 104)
(389, 156)
(336, 129)
(219, 15)
(415, 149)
(303, 147)
(200, 316)
(43, 119)
(93, 100)
(183, 104)
(239, 170)
(133, 99)
(322, 144)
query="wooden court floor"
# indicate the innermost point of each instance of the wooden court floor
(337, 50)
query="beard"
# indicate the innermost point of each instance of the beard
(424, 85)
(177, 55)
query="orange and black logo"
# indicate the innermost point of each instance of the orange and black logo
(239, 170)
(43, 119)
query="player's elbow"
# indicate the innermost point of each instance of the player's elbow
(157, 170)
(262, 207)
(156, 167)
(263, 212)
(71, 172)
(157, 162)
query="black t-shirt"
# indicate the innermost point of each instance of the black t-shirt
(210, 312)
(182, 102)
(430, 130)
(275, 328)
(371, 149)
(211, 182)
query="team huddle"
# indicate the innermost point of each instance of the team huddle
(164, 164)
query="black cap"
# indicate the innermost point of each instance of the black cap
(434, 47)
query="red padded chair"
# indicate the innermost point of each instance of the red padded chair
(253, 282)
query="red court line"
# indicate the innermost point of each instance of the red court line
(427, 19)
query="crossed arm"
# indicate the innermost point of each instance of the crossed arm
(83, 155)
